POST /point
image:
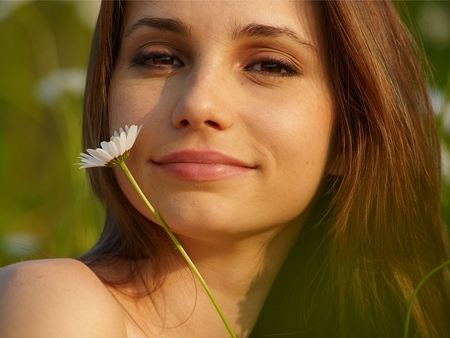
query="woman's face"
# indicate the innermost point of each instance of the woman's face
(237, 111)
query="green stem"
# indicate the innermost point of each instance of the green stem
(408, 313)
(178, 246)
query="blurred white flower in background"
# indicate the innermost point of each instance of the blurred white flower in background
(445, 153)
(88, 11)
(8, 7)
(49, 89)
(434, 24)
(441, 108)
(20, 244)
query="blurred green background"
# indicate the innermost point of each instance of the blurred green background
(46, 206)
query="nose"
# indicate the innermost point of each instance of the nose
(205, 103)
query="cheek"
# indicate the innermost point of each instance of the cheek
(129, 102)
(297, 144)
(298, 134)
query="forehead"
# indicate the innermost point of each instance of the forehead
(223, 18)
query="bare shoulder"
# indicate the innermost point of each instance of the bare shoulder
(56, 298)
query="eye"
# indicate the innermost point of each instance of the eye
(156, 60)
(273, 67)
(270, 67)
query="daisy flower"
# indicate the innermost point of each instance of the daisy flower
(113, 152)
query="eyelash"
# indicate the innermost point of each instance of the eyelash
(286, 68)
(142, 59)
(289, 69)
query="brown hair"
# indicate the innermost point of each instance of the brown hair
(387, 230)
(126, 233)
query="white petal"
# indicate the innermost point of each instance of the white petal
(132, 135)
(113, 151)
(100, 154)
(116, 134)
(104, 145)
(121, 143)
(89, 166)
(104, 154)
(83, 155)
(92, 152)
(90, 161)
(94, 162)
(131, 138)
(88, 158)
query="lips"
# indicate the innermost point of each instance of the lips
(202, 165)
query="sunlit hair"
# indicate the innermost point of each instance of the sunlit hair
(387, 229)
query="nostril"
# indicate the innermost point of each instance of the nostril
(212, 124)
(184, 123)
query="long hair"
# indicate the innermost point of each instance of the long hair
(387, 228)
(388, 231)
(127, 237)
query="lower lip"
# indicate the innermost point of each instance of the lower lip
(203, 171)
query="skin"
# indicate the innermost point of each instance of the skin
(262, 98)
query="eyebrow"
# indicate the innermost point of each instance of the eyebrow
(252, 30)
(172, 25)
(262, 31)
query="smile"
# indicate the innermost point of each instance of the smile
(202, 165)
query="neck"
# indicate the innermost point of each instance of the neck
(239, 273)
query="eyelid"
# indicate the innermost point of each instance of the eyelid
(145, 54)
(290, 67)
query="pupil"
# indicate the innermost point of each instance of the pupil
(162, 60)
(270, 67)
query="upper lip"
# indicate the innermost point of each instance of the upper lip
(206, 156)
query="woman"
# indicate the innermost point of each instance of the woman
(291, 148)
